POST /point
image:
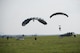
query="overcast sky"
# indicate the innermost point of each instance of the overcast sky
(14, 12)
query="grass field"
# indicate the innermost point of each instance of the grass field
(44, 44)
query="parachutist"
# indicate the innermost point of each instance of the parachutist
(59, 27)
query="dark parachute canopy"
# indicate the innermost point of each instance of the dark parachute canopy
(26, 21)
(59, 13)
(33, 18)
(42, 21)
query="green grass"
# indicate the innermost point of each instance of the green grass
(44, 44)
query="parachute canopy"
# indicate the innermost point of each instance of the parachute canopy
(26, 21)
(42, 21)
(33, 18)
(59, 13)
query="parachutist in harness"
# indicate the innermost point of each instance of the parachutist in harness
(59, 27)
